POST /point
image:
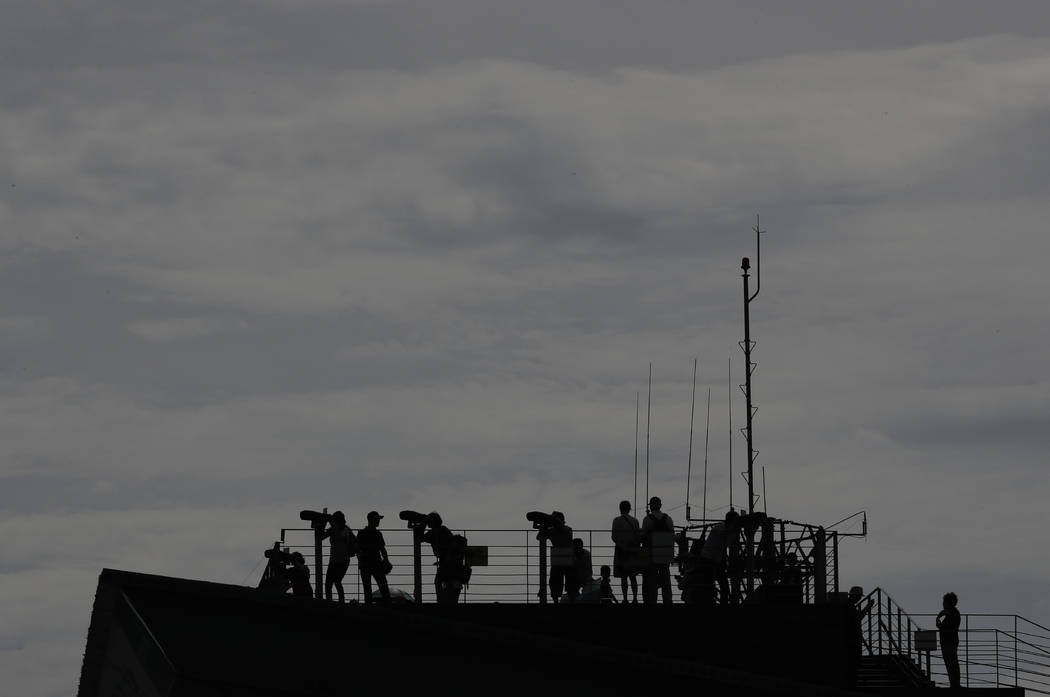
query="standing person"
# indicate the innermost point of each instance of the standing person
(658, 538)
(948, 621)
(560, 537)
(440, 539)
(626, 534)
(714, 557)
(372, 559)
(343, 547)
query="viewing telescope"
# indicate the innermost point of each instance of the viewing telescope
(539, 519)
(414, 518)
(317, 520)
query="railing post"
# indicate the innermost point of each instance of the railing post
(543, 568)
(1015, 651)
(820, 567)
(528, 596)
(900, 642)
(318, 561)
(967, 654)
(997, 658)
(879, 620)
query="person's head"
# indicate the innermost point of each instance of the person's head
(950, 600)
(297, 559)
(374, 518)
(625, 507)
(655, 504)
(732, 516)
(338, 519)
(606, 571)
(577, 544)
(434, 519)
(558, 517)
(855, 594)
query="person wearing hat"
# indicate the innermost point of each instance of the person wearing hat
(372, 559)
(342, 541)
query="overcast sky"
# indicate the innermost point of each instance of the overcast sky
(266, 255)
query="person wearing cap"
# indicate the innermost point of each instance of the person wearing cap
(372, 559)
(658, 537)
(339, 558)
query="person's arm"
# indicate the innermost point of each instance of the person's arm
(382, 546)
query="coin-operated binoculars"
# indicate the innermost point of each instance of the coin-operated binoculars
(417, 523)
(542, 523)
(317, 521)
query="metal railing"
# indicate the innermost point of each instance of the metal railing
(999, 651)
(994, 650)
(511, 575)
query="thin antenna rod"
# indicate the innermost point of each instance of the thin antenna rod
(730, 433)
(707, 440)
(689, 465)
(637, 399)
(648, 419)
(765, 504)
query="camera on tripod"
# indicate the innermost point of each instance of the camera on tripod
(279, 556)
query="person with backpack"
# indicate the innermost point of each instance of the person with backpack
(559, 535)
(344, 546)
(440, 539)
(658, 541)
(626, 534)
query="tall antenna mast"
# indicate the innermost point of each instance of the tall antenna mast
(730, 433)
(648, 418)
(634, 501)
(689, 465)
(749, 366)
(707, 440)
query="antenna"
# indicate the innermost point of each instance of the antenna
(689, 465)
(730, 433)
(648, 418)
(749, 366)
(707, 440)
(634, 501)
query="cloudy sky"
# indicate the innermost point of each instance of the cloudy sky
(265, 255)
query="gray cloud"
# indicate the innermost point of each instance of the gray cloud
(369, 256)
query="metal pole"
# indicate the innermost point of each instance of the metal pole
(1015, 650)
(689, 462)
(417, 563)
(648, 419)
(528, 597)
(835, 560)
(967, 651)
(318, 581)
(745, 265)
(543, 569)
(634, 501)
(820, 567)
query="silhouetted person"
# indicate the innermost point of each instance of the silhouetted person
(582, 574)
(372, 559)
(343, 547)
(298, 575)
(714, 555)
(560, 537)
(626, 535)
(658, 538)
(605, 591)
(439, 537)
(948, 621)
(453, 570)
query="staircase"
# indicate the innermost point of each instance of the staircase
(887, 673)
